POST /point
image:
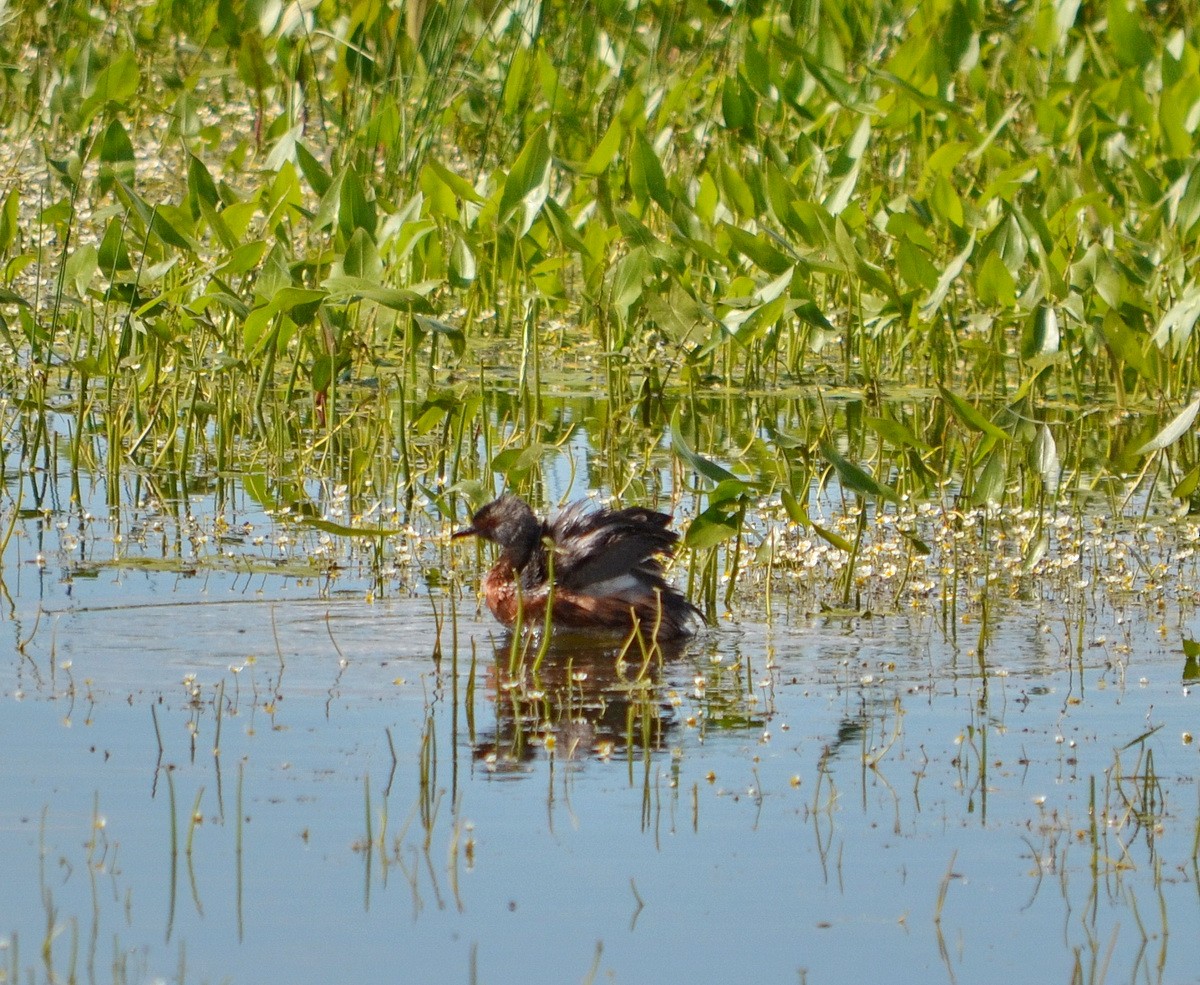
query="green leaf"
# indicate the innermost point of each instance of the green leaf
(1175, 329)
(458, 185)
(897, 434)
(116, 156)
(1133, 46)
(714, 526)
(758, 249)
(8, 296)
(300, 303)
(357, 289)
(949, 275)
(9, 218)
(81, 267)
(646, 173)
(1186, 487)
(737, 109)
(994, 283)
(1177, 428)
(356, 212)
(857, 479)
(254, 328)
(960, 40)
(115, 85)
(528, 183)
(1041, 336)
(162, 220)
(698, 463)
(629, 274)
(454, 334)
(516, 463)
(606, 150)
(314, 172)
(201, 187)
(462, 263)
(1043, 455)
(989, 487)
(1191, 660)
(362, 258)
(1125, 347)
(969, 416)
(113, 253)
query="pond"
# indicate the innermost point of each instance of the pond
(239, 747)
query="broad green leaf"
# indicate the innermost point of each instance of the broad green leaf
(451, 333)
(949, 275)
(528, 183)
(989, 486)
(1131, 43)
(857, 479)
(698, 463)
(1186, 487)
(1175, 329)
(314, 172)
(241, 259)
(516, 463)
(1125, 347)
(969, 416)
(458, 185)
(758, 249)
(831, 537)
(736, 110)
(737, 193)
(163, 220)
(113, 253)
(1178, 426)
(299, 303)
(837, 200)
(116, 84)
(395, 298)
(606, 150)
(1043, 455)
(628, 276)
(462, 263)
(116, 156)
(959, 42)
(201, 187)
(914, 266)
(356, 211)
(330, 203)
(646, 173)
(254, 328)
(9, 218)
(1191, 660)
(1041, 335)
(714, 526)
(994, 284)
(564, 228)
(362, 258)
(945, 201)
(274, 275)
(81, 267)
(895, 433)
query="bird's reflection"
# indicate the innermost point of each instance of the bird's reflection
(588, 697)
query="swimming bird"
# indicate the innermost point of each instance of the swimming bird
(605, 565)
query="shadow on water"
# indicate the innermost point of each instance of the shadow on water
(588, 697)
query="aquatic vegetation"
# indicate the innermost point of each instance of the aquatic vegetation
(893, 304)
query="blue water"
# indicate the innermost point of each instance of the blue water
(838, 799)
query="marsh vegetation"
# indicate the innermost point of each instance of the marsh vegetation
(892, 304)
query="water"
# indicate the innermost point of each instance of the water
(827, 797)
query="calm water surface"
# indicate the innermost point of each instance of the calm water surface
(824, 799)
